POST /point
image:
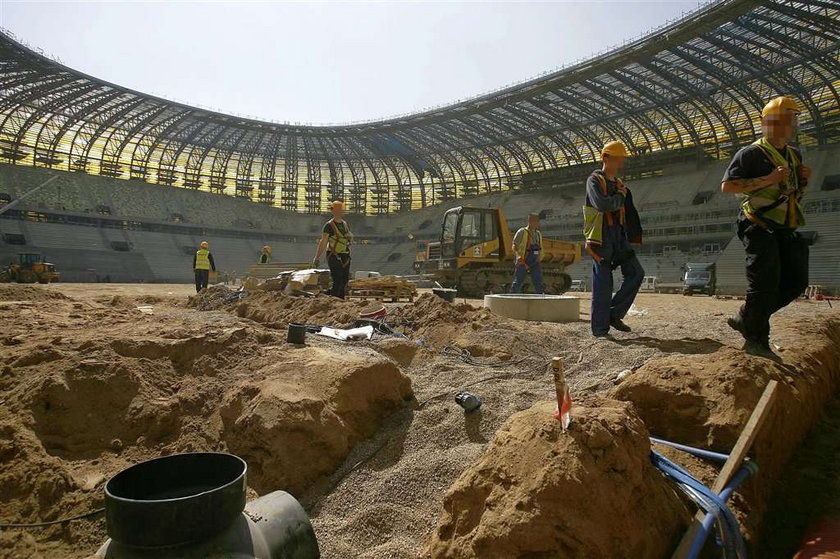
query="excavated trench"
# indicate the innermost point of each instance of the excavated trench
(88, 387)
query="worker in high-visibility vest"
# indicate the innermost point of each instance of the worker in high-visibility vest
(770, 179)
(611, 225)
(265, 255)
(527, 248)
(202, 264)
(336, 238)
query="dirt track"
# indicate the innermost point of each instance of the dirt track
(384, 500)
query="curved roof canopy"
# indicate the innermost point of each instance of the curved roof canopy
(696, 84)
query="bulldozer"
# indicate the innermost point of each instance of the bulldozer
(475, 254)
(30, 268)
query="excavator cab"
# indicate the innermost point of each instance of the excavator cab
(470, 233)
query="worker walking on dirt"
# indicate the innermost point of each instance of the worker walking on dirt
(265, 255)
(770, 179)
(527, 246)
(336, 238)
(202, 264)
(611, 224)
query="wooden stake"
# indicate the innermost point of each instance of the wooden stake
(733, 463)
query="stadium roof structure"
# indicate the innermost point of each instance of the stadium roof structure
(696, 84)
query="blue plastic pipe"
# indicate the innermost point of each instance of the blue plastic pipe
(747, 470)
(708, 454)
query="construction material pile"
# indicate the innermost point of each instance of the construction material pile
(386, 288)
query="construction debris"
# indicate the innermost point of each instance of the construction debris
(386, 288)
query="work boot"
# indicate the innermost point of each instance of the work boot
(601, 335)
(619, 325)
(760, 349)
(737, 323)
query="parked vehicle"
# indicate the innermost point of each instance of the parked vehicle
(700, 278)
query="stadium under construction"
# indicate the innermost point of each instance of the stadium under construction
(395, 417)
(141, 179)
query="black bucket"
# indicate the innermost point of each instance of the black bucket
(176, 499)
(296, 334)
(445, 293)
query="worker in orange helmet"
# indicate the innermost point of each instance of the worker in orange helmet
(336, 238)
(611, 226)
(770, 179)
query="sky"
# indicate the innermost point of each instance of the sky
(326, 62)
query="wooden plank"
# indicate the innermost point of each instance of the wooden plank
(733, 463)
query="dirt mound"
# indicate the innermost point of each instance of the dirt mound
(82, 399)
(439, 323)
(705, 400)
(539, 492)
(302, 418)
(18, 292)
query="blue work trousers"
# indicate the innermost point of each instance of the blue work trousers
(615, 253)
(532, 265)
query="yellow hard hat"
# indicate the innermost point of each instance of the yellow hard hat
(337, 205)
(615, 149)
(779, 106)
(204, 244)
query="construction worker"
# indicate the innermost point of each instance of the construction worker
(770, 179)
(265, 255)
(611, 224)
(202, 264)
(336, 238)
(527, 246)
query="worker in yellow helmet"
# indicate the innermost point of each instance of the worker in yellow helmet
(202, 264)
(611, 224)
(265, 255)
(770, 179)
(336, 239)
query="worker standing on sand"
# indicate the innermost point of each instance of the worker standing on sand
(611, 224)
(527, 246)
(202, 264)
(336, 238)
(770, 179)
(265, 255)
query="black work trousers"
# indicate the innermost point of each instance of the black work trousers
(201, 279)
(339, 272)
(777, 273)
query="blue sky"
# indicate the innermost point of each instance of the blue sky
(326, 62)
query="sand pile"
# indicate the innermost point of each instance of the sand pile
(83, 398)
(439, 323)
(19, 292)
(302, 418)
(539, 492)
(705, 400)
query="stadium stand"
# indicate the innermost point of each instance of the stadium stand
(138, 181)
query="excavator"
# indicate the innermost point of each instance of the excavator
(30, 268)
(475, 254)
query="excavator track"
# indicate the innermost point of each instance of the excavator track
(477, 281)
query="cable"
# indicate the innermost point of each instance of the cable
(53, 522)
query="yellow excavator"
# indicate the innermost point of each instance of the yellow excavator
(475, 254)
(30, 268)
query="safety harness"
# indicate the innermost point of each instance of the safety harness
(593, 219)
(526, 246)
(339, 242)
(776, 204)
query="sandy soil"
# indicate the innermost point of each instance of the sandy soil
(384, 500)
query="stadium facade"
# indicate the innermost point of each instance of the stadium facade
(137, 181)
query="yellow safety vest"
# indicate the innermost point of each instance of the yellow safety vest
(526, 246)
(777, 203)
(202, 259)
(593, 219)
(340, 242)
